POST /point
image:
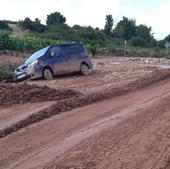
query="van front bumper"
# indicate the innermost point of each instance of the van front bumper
(20, 76)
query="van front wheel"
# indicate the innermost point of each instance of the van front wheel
(47, 74)
(84, 69)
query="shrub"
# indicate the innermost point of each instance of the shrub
(92, 48)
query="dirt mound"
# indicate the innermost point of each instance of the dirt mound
(109, 92)
(22, 93)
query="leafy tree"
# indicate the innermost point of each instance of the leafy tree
(27, 23)
(167, 38)
(161, 43)
(138, 41)
(89, 35)
(37, 26)
(37, 21)
(125, 29)
(153, 43)
(4, 25)
(144, 32)
(108, 24)
(55, 18)
(34, 26)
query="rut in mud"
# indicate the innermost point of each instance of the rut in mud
(82, 100)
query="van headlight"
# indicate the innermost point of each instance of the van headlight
(31, 66)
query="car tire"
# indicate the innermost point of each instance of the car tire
(47, 74)
(84, 69)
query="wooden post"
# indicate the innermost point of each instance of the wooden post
(125, 43)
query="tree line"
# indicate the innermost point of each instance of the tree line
(56, 30)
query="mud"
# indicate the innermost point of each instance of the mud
(82, 100)
(130, 132)
(140, 142)
(11, 94)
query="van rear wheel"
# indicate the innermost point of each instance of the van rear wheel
(47, 74)
(84, 69)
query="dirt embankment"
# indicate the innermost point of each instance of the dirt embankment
(30, 93)
(23, 93)
(11, 93)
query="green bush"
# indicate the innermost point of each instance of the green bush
(92, 49)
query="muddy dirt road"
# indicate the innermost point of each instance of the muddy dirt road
(125, 132)
(118, 117)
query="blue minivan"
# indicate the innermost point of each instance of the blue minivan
(55, 60)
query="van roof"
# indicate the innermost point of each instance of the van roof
(70, 44)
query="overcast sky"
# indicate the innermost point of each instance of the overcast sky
(154, 13)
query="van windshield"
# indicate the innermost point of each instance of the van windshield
(36, 55)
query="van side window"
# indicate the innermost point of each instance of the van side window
(73, 49)
(55, 51)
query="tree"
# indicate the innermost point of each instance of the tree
(4, 25)
(88, 35)
(35, 26)
(162, 42)
(138, 41)
(38, 27)
(108, 24)
(55, 19)
(37, 21)
(144, 32)
(125, 29)
(27, 23)
(167, 38)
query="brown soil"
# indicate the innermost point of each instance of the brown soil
(14, 60)
(23, 93)
(129, 131)
(141, 141)
(42, 93)
(116, 118)
(13, 114)
(105, 74)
